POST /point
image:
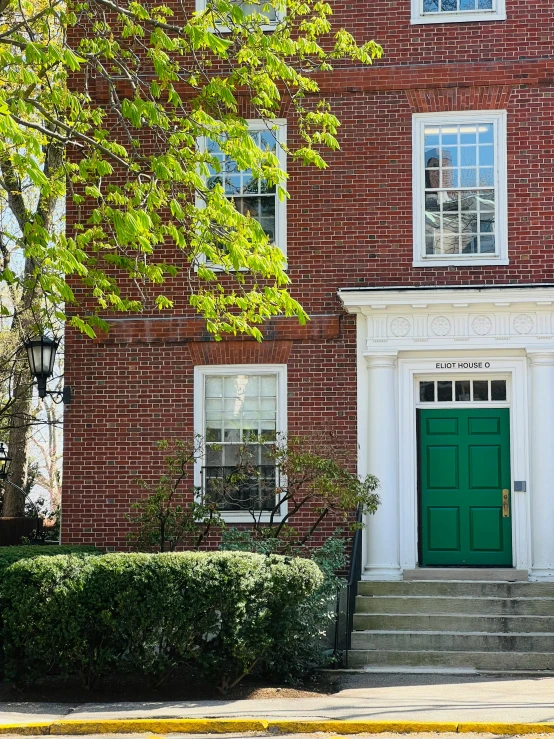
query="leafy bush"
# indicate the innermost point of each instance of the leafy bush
(168, 517)
(215, 613)
(301, 648)
(9, 555)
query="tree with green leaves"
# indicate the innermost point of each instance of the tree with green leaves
(104, 105)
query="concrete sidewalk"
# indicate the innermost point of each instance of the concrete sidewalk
(420, 698)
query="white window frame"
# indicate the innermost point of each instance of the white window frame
(499, 120)
(201, 6)
(200, 374)
(278, 126)
(498, 13)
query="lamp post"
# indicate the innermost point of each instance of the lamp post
(41, 353)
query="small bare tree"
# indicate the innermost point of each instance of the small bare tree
(171, 515)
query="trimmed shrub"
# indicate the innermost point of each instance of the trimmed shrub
(9, 555)
(215, 613)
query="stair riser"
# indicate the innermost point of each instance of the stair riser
(453, 642)
(492, 606)
(459, 588)
(498, 624)
(455, 660)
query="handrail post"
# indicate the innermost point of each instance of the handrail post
(354, 575)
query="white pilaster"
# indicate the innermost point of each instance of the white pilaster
(542, 463)
(382, 561)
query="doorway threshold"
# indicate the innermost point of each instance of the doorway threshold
(498, 574)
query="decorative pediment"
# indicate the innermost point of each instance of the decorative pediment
(417, 319)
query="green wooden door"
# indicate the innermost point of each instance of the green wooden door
(464, 462)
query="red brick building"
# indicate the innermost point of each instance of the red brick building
(424, 256)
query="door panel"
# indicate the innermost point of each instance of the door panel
(464, 457)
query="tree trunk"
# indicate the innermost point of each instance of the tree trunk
(14, 500)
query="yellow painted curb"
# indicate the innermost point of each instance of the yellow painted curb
(32, 729)
(277, 726)
(158, 726)
(502, 728)
(360, 727)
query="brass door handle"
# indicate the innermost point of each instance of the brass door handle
(505, 503)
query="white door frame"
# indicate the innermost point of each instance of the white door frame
(402, 332)
(409, 368)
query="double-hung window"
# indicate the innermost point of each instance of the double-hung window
(240, 414)
(457, 11)
(251, 195)
(459, 188)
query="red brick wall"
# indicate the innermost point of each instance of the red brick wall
(348, 226)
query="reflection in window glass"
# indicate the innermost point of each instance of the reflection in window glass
(427, 392)
(480, 390)
(459, 188)
(262, 8)
(444, 390)
(498, 389)
(456, 6)
(240, 435)
(252, 196)
(462, 391)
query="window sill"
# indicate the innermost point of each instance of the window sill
(241, 517)
(458, 18)
(469, 262)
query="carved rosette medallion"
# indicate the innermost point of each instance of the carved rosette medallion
(400, 327)
(523, 324)
(440, 326)
(481, 325)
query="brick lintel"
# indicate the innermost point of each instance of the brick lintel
(182, 330)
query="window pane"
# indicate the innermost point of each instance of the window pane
(444, 390)
(480, 390)
(487, 244)
(458, 163)
(239, 473)
(452, 6)
(214, 387)
(427, 392)
(238, 184)
(462, 390)
(249, 8)
(498, 389)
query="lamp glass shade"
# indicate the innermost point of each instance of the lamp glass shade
(41, 352)
(5, 462)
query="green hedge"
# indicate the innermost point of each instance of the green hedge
(214, 613)
(9, 555)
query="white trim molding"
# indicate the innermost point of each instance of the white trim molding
(498, 13)
(490, 333)
(457, 318)
(203, 371)
(498, 119)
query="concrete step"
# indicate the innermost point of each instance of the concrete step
(502, 661)
(452, 622)
(455, 641)
(443, 604)
(501, 574)
(457, 588)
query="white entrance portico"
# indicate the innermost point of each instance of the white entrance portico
(497, 333)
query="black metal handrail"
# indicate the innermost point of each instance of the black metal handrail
(354, 576)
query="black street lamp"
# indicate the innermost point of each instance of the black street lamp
(5, 462)
(41, 353)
